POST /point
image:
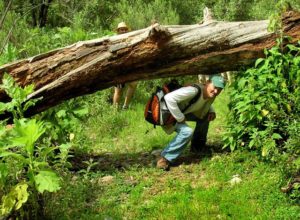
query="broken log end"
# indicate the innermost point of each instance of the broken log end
(159, 33)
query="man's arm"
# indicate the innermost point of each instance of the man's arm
(211, 114)
(180, 95)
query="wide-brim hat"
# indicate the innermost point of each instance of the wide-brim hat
(122, 25)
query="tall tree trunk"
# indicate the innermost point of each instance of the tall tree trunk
(153, 52)
(44, 12)
(39, 12)
(34, 13)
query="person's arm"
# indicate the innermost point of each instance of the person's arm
(211, 114)
(180, 95)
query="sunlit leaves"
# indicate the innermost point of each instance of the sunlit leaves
(15, 92)
(259, 61)
(26, 133)
(276, 136)
(47, 180)
(14, 199)
(264, 99)
(23, 154)
(19, 102)
(264, 112)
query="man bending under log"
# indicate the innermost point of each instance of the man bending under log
(200, 111)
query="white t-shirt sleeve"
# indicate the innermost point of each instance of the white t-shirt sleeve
(180, 95)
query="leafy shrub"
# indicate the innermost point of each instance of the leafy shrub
(265, 107)
(27, 159)
(63, 121)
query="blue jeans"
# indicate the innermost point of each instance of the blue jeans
(186, 134)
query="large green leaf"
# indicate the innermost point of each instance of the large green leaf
(26, 133)
(21, 194)
(47, 180)
(258, 61)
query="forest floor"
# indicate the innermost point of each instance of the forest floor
(114, 176)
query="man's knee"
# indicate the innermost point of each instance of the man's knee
(187, 132)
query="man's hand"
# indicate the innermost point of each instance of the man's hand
(183, 121)
(211, 116)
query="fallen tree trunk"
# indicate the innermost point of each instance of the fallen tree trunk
(153, 52)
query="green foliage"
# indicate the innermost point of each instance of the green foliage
(25, 41)
(295, 194)
(92, 15)
(26, 157)
(108, 117)
(42, 40)
(241, 10)
(18, 96)
(47, 180)
(275, 24)
(32, 165)
(230, 9)
(90, 164)
(139, 14)
(63, 120)
(264, 107)
(189, 11)
(25, 134)
(9, 54)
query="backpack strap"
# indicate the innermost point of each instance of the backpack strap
(195, 99)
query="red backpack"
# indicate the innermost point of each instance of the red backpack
(156, 110)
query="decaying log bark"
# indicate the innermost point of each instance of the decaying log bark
(154, 52)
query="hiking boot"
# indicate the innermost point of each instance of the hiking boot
(163, 163)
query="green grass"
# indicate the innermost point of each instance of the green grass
(198, 188)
